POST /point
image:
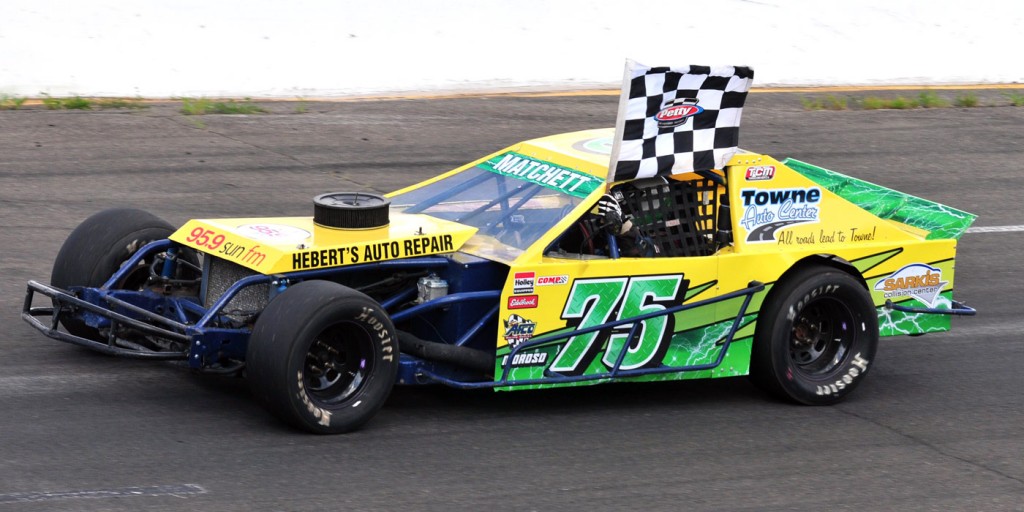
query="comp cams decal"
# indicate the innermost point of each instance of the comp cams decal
(765, 211)
(917, 280)
(552, 280)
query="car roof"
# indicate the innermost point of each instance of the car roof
(588, 151)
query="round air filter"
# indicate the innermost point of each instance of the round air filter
(351, 210)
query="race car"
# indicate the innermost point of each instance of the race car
(525, 269)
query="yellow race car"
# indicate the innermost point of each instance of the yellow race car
(524, 269)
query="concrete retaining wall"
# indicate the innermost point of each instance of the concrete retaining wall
(324, 48)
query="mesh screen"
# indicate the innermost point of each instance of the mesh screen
(679, 216)
(220, 275)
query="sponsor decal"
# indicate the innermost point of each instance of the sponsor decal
(552, 280)
(278, 233)
(599, 146)
(593, 302)
(677, 112)
(522, 282)
(765, 211)
(760, 172)
(522, 302)
(917, 280)
(546, 174)
(371, 252)
(527, 359)
(214, 242)
(518, 329)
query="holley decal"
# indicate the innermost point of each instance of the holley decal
(522, 282)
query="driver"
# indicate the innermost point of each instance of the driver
(630, 240)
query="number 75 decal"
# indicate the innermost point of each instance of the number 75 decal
(593, 302)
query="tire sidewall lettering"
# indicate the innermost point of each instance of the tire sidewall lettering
(857, 368)
(833, 384)
(322, 416)
(806, 289)
(369, 317)
(370, 320)
(287, 332)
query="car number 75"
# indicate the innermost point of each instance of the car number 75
(594, 302)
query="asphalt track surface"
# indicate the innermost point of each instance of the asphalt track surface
(938, 425)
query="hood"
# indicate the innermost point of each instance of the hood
(274, 245)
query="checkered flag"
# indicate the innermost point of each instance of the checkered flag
(677, 120)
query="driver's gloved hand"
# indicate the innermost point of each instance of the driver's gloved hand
(612, 220)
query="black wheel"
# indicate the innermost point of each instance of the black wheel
(98, 247)
(322, 357)
(816, 337)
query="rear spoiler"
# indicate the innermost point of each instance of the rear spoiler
(939, 220)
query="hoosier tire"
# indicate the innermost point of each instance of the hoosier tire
(98, 247)
(322, 357)
(816, 337)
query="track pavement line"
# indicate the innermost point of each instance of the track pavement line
(995, 229)
(178, 490)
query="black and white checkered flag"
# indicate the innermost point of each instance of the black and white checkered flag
(677, 120)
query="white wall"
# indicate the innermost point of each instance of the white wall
(322, 48)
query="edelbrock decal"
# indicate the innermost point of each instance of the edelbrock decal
(522, 302)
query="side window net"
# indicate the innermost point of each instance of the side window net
(679, 216)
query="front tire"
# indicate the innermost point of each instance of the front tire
(816, 337)
(322, 357)
(98, 247)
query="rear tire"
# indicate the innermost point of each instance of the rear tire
(816, 336)
(322, 357)
(98, 247)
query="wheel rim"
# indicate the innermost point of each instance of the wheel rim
(338, 363)
(820, 336)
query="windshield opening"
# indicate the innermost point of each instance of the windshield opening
(511, 198)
